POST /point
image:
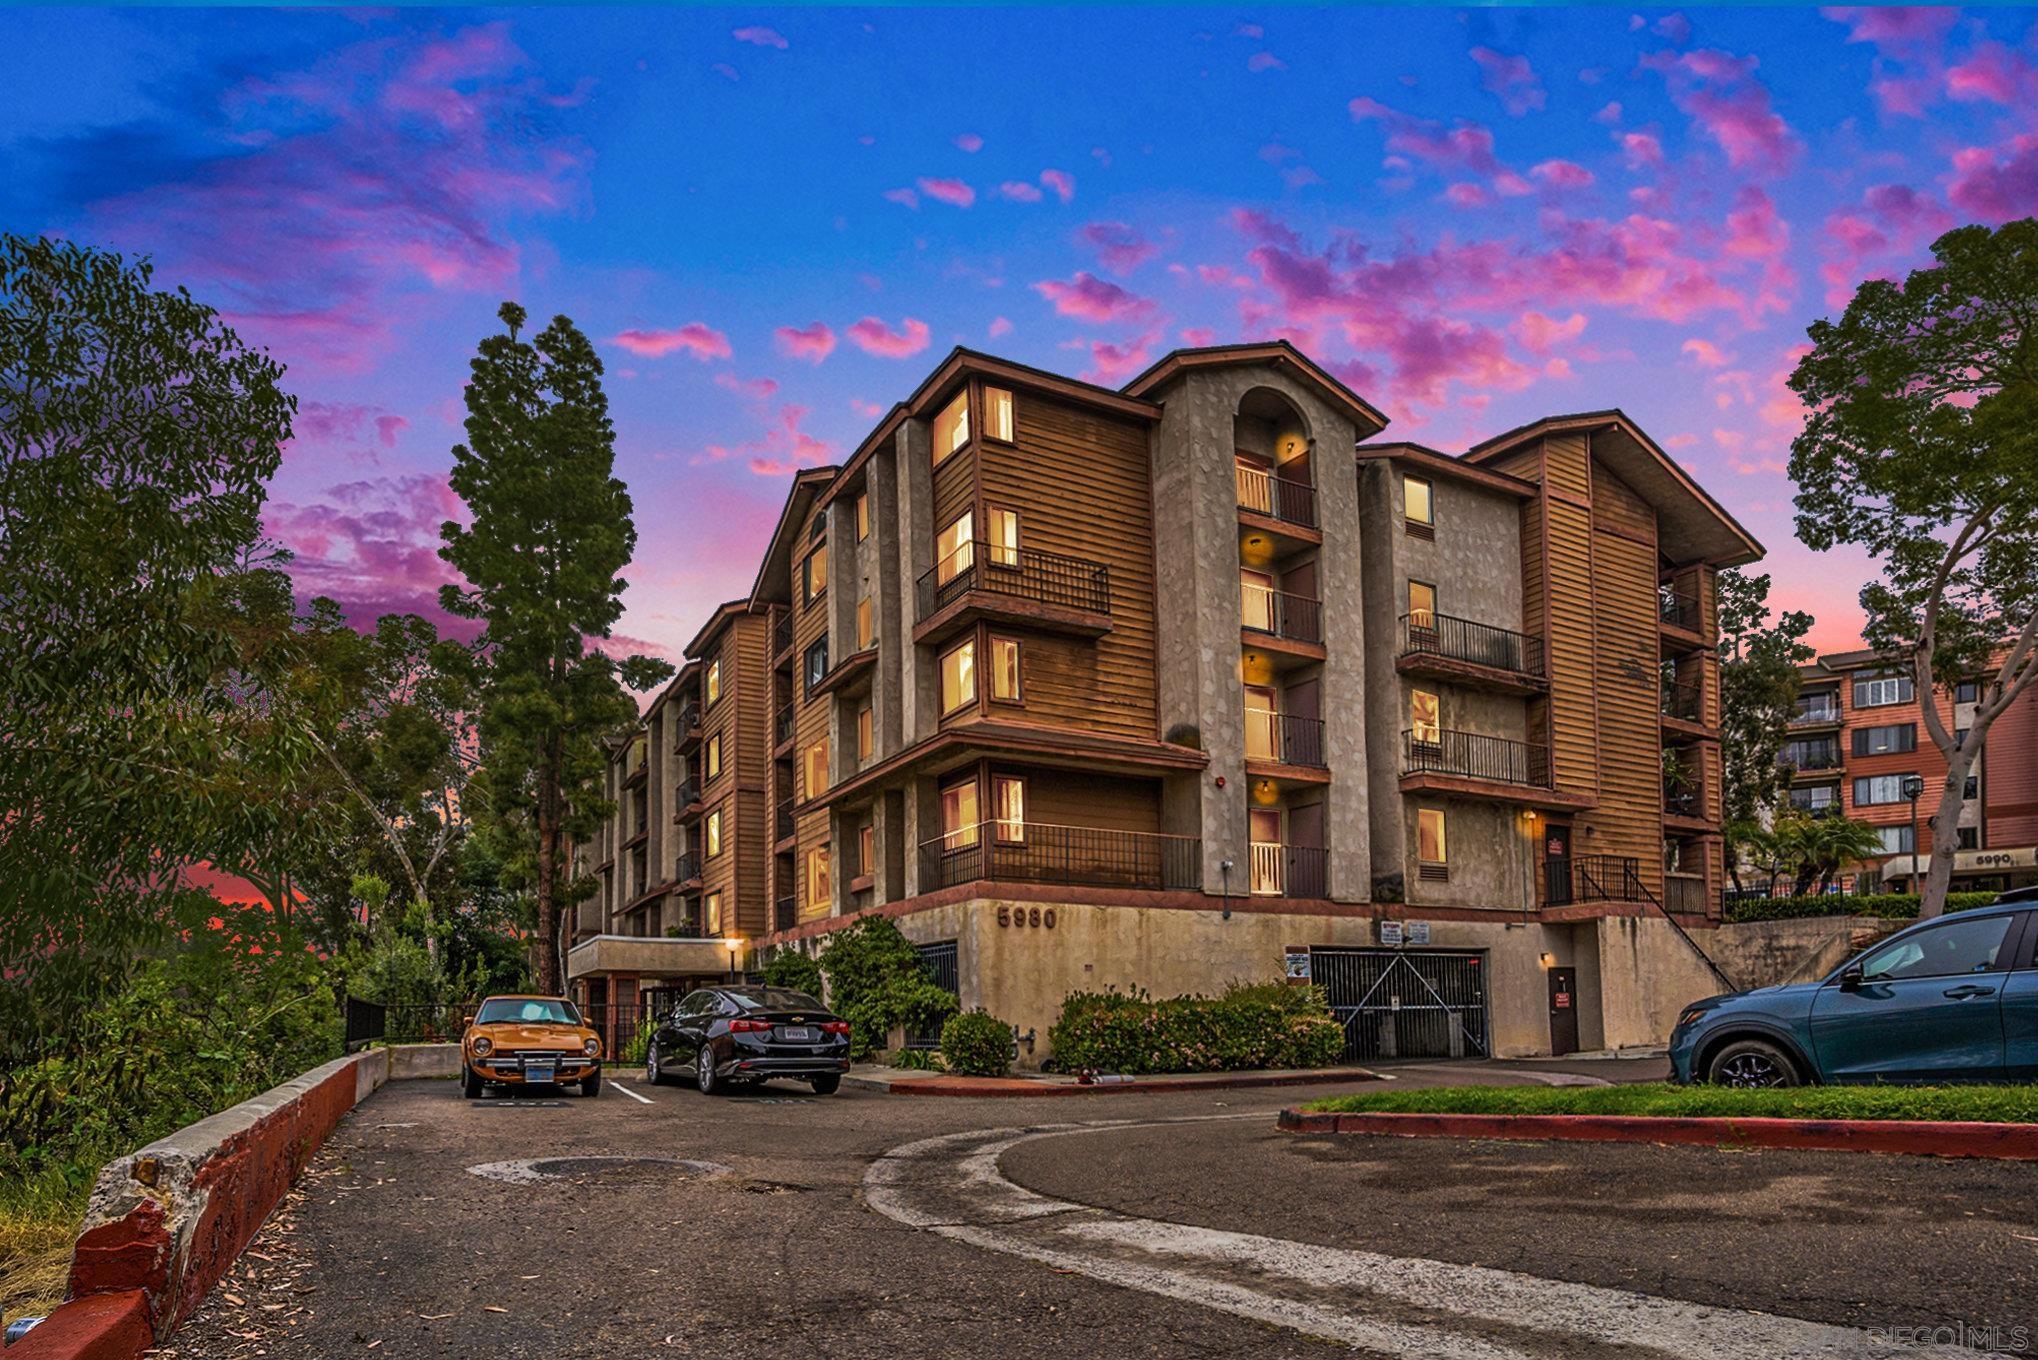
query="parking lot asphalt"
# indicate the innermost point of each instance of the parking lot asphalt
(744, 1226)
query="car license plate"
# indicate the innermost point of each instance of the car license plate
(797, 1034)
(543, 1071)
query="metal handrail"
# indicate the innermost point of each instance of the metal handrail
(1428, 633)
(1277, 497)
(1045, 578)
(1284, 737)
(1045, 852)
(1263, 609)
(1475, 755)
(1276, 869)
(1677, 608)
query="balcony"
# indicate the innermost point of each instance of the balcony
(782, 636)
(1684, 803)
(1812, 760)
(1592, 878)
(1474, 755)
(1477, 654)
(1276, 498)
(687, 798)
(782, 725)
(1288, 870)
(647, 955)
(1684, 702)
(785, 914)
(1821, 715)
(1677, 611)
(689, 727)
(687, 871)
(1685, 894)
(1283, 738)
(1042, 591)
(1040, 853)
(783, 821)
(1294, 618)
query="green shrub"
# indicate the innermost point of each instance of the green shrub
(1265, 1025)
(977, 1044)
(1889, 906)
(792, 968)
(876, 982)
(914, 1060)
(639, 1047)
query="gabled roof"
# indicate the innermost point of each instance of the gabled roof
(716, 621)
(1692, 525)
(775, 574)
(1443, 465)
(1280, 354)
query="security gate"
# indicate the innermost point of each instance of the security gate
(1397, 1003)
(939, 963)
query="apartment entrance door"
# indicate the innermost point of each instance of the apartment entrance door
(1261, 723)
(1256, 599)
(1557, 864)
(1563, 1011)
(1267, 852)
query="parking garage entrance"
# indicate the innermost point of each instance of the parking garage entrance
(1398, 1003)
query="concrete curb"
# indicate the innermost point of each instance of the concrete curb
(1922, 1138)
(166, 1223)
(1024, 1087)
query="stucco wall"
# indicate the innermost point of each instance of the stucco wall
(1771, 953)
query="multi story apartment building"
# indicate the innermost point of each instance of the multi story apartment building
(1195, 681)
(1858, 733)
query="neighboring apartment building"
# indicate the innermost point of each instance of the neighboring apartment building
(1190, 682)
(1858, 732)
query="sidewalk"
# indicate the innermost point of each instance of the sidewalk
(900, 1081)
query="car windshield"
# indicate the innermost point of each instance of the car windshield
(775, 999)
(526, 1010)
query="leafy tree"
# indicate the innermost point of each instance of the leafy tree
(1922, 447)
(137, 433)
(876, 982)
(1758, 690)
(1809, 850)
(551, 531)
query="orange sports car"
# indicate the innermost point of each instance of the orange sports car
(529, 1041)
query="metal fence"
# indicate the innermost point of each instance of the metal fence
(1475, 755)
(1404, 1004)
(940, 964)
(1284, 737)
(1044, 853)
(1431, 634)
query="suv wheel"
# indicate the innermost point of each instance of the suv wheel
(704, 1072)
(1752, 1064)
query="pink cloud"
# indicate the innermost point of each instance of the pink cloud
(1640, 149)
(1720, 94)
(1089, 298)
(1895, 28)
(1466, 194)
(697, 338)
(999, 326)
(782, 448)
(1511, 80)
(1467, 145)
(1061, 181)
(373, 546)
(869, 410)
(759, 36)
(1880, 238)
(872, 336)
(1705, 353)
(1019, 191)
(347, 424)
(1112, 364)
(756, 389)
(1539, 333)
(1264, 61)
(1997, 183)
(812, 343)
(1995, 73)
(950, 191)
(904, 197)
(1120, 247)
(970, 142)
(1559, 174)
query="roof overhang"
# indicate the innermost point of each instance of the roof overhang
(1691, 525)
(1276, 353)
(1431, 462)
(775, 573)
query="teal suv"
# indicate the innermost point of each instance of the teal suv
(1948, 1000)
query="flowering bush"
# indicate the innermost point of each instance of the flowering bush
(977, 1044)
(1267, 1025)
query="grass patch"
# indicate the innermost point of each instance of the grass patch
(38, 1223)
(1986, 1104)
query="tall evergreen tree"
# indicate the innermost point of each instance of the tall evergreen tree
(551, 531)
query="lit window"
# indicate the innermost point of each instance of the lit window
(959, 678)
(865, 625)
(865, 740)
(816, 573)
(998, 414)
(866, 849)
(712, 686)
(1419, 499)
(714, 913)
(863, 517)
(1004, 530)
(1429, 836)
(1008, 804)
(1425, 717)
(951, 428)
(959, 815)
(1262, 723)
(820, 881)
(814, 764)
(955, 549)
(1005, 669)
(714, 833)
(715, 756)
(1256, 600)
(1422, 605)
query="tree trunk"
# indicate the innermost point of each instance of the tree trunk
(548, 874)
(1945, 840)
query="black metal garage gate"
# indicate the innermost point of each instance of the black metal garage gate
(1397, 1003)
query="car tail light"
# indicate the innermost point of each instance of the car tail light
(748, 1026)
(835, 1027)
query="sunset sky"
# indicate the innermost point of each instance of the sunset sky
(773, 223)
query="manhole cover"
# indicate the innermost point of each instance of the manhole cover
(535, 1170)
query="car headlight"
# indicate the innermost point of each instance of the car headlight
(482, 1046)
(591, 1047)
(1690, 1018)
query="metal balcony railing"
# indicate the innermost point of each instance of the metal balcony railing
(785, 914)
(689, 792)
(1036, 852)
(1426, 633)
(1043, 578)
(1283, 737)
(1818, 716)
(1685, 893)
(688, 867)
(782, 727)
(782, 636)
(784, 820)
(1263, 493)
(1474, 755)
(1825, 757)
(1298, 618)
(1677, 608)
(1682, 801)
(1593, 878)
(1684, 700)
(1289, 870)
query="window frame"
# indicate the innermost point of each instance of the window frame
(999, 822)
(1428, 519)
(818, 747)
(711, 835)
(968, 644)
(866, 624)
(711, 757)
(1011, 414)
(1435, 604)
(866, 850)
(1018, 694)
(711, 685)
(1436, 724)
(952, 840)
(711, 911)
(999, 554)
(1895, 781)
(817, 648)
(866, 734)
(860, 515)
(810, 595)
(1861, 742)
(963, 556)
(821, 855)
(1906, 687)
(1442, 860)
(941, 455)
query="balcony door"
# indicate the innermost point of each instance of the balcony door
(1268, 857)
(1254, 492)
(1256, 599)
(1262, 723)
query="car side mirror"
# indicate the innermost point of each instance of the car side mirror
(1850, 979)
(466, 1020)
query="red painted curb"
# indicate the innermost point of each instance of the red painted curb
(101, 1327)
(1914, 1137)
(1017, 1086)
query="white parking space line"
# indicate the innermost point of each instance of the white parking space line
(617, 1083)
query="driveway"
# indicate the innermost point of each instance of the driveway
(866, 1225)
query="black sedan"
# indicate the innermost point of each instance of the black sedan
(741, 1035)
